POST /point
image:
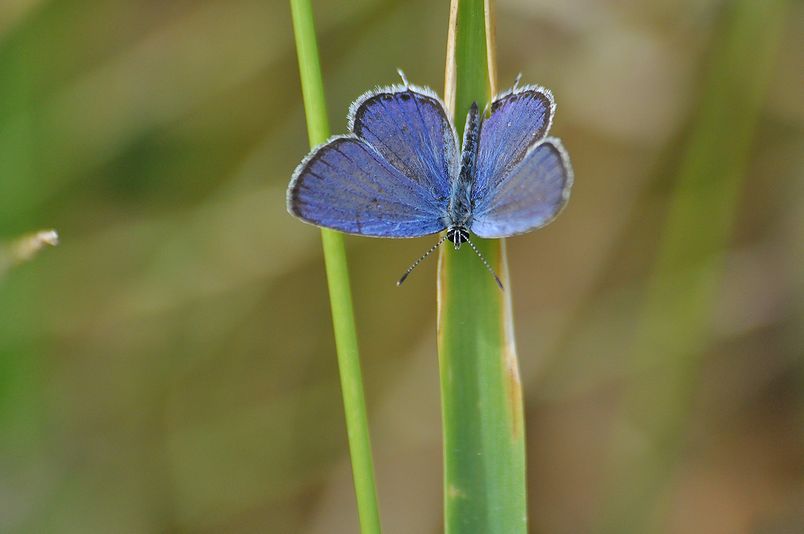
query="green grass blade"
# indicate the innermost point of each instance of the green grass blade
(677, 320)
(338, 280)
(484, 446)
(22, 381)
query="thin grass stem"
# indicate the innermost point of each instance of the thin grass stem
(338, 281)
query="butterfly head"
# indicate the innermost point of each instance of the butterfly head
(458, 235)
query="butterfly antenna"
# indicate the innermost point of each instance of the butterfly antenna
(404, 78)
(486, 263)
(517, 80)
(417, 262)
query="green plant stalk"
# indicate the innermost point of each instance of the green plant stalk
(338, 281)
(22, 300)
(481, 396)
(681, 296)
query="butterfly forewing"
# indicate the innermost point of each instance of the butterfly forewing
(519, 119)
(410, 128)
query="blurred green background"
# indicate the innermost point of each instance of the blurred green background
(169, 367)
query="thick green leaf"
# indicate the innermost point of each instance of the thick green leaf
(484, 452)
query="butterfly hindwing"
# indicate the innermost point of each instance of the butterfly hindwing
(347, 185)
(530, 196)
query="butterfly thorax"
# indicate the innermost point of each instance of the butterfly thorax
(460, 206)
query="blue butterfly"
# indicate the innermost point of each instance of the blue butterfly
(402, 173)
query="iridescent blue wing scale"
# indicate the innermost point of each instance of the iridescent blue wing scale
(522, 179)
(531, 195)
(390, 177)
